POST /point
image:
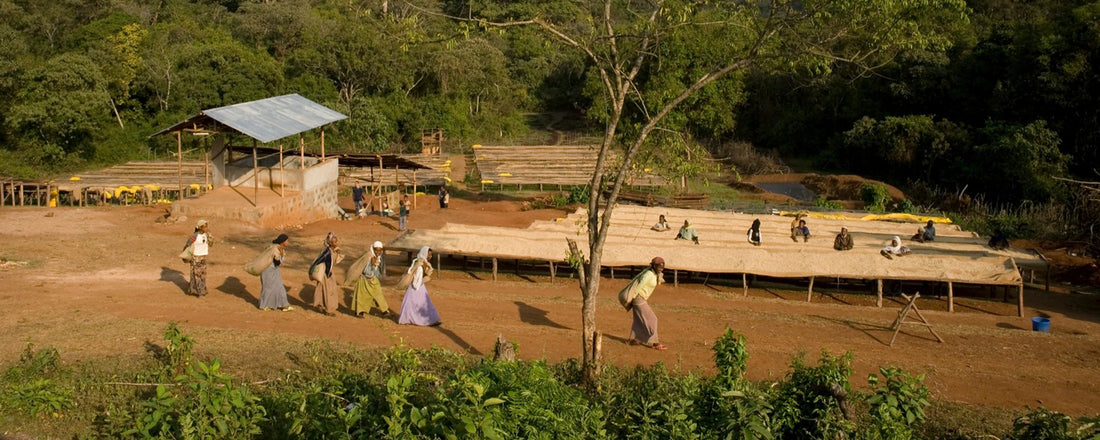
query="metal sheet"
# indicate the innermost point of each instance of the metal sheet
(274, 118)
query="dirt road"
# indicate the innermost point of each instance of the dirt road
(100, 283)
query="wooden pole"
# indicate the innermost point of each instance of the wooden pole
(950, 297)
(810, 292)
(552, 270)
(438, 265)
(282, 178)
(494, 268)
(744, 284)
(206, 169)
(879, 302)
(179, 168)
(1020, 304)
(377, 186)
(322, 145)
(675, 278)
(414, 187)
(255, 176)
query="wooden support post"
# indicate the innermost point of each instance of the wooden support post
(322, 145)
(879, 302)
(282, 178)
(745, 284)
(438, 265)
(552, 272)
(810, 292)
(1020, 304)
(612, 273)
(950, 296)
(675, 278)
(494, 268)
(255, 176)
(179, 160)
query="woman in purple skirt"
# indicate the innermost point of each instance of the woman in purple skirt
(416, 307)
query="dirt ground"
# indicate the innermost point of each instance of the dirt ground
(100, 284)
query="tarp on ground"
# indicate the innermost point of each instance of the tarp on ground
(956, 255)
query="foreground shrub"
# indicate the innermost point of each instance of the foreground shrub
(808, 403)
(1044, 424)
(31, 386)
(897, 403)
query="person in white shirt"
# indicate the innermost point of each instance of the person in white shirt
(200, 248)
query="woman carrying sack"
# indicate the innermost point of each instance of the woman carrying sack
(643, 330)
(199, 246)
(368, 290)
(273, 292)
(416, 306)
(326, 294)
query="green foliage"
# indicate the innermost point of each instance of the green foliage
(875, 196)
(177, 353)
(646, 403)
(579, 194)
(32, 386)
(906, 206)
(731, 357)
(828, 204)
(1044, 424)
(206, 404)
(806, 404)
(897, 402)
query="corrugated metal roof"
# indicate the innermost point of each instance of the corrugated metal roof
(267, 119)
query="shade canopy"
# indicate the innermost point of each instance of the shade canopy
(265, 120)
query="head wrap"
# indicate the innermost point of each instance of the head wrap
(201, 223)
(657, 261)
(330, 239)
(423, 254)
(376, 244)
(756, 225)
(282, 238)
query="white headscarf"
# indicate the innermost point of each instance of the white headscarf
(376, 245)
(892, 247)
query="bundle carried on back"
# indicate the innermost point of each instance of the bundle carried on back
(262, 261)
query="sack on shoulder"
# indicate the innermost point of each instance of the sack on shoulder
(186, 255)
(317, 273)
(627, 295)
(406, 280)
(261, 262)
(356, 269)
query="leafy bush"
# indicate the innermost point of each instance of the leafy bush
(31, 386)
(807, 403)
(177, 353)
(828, 204)
(579, 194)
(906, 206)
(651, 403)
(1044, 424)
(874, 196)
(897, 402)
(731, 357)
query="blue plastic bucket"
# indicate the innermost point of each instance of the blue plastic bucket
(1040, 324)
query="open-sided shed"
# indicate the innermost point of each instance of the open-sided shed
(264, 121)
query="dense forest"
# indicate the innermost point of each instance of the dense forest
(1003, 100)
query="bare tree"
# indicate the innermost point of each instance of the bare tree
(624, 42)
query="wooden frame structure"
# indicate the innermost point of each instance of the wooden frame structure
(556, 165)
(956, 257)
(265, 120)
